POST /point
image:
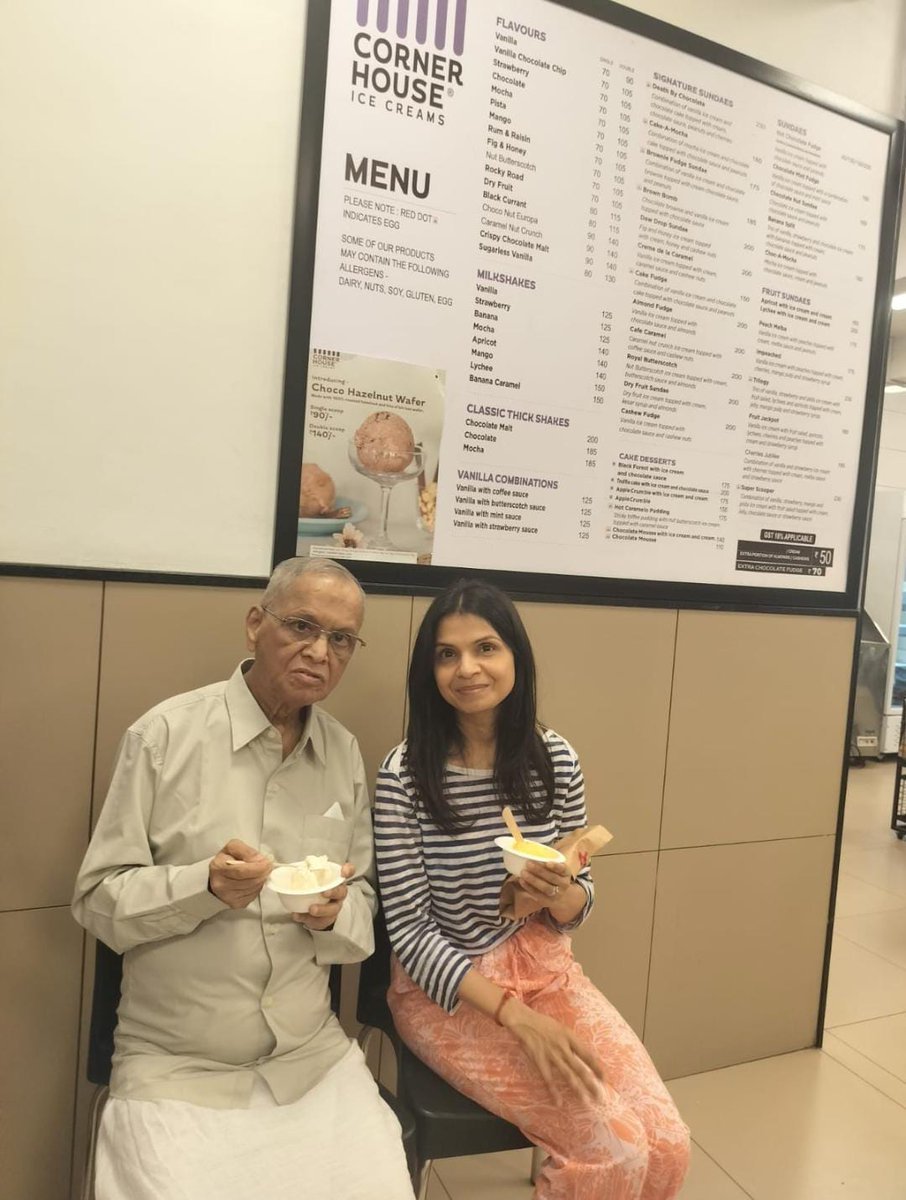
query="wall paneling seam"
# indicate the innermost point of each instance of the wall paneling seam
(660, 828)
(94, 753)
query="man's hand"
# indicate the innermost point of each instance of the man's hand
(321, 916)
(237, 873)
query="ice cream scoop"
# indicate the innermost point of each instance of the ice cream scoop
(536, 850)
(314, 871)
(516, 848)
(317, 493)
(384, 443)
(517, 854)
(301, 884)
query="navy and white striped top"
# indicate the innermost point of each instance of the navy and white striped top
(441, 892)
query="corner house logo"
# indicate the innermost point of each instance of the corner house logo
(399, 60)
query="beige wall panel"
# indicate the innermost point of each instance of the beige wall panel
(49, 638)
(614, 944)
(604, 684)
(160, 640)
(39, 1027)
(737, 952)
(757, 727)
(605, 676)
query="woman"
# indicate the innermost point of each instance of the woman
(499, 1008)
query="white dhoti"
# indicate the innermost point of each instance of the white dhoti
(340, 1140)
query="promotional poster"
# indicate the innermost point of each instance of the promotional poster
(608, 306)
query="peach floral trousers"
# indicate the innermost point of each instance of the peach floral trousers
(631, 1144)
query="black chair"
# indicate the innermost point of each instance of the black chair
(447, 1123)
(108, 974)
(105, 999)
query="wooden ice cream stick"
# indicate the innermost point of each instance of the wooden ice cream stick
(511, 824)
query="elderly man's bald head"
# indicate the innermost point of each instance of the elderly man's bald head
(287, 573)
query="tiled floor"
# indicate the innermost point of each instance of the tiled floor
(818, 1124)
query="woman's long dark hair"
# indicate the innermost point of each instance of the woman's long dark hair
(523, 773)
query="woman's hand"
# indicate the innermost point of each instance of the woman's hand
(545, 882)
(562, 1059)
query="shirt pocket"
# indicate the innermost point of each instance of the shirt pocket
(326, 835)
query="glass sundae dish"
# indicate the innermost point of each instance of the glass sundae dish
(384, 451)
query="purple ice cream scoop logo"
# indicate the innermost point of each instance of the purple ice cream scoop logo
(406, 56)
(440, 20)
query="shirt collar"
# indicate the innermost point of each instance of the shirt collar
(248, 720)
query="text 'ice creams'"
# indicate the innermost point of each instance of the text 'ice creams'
(384, 443)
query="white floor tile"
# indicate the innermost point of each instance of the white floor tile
(862, 986)
(870, 788)
(883, 866)
(798, 1127)
(707, 1181)
(855, 897)
(869, 799)
(882, 1041)
(877, 837)
(488, 1176)
(862, 1066)
(883, 933)
(436, 1189)
(505, 1177)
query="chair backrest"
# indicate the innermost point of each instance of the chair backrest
(374, 980)
(108, 975)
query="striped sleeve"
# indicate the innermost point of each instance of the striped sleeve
(574, 816)
(425, 955)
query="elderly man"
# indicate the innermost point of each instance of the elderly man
(231, 1076)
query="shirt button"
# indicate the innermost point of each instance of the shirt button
(267, 1002)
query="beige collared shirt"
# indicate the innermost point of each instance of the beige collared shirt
(213, 995)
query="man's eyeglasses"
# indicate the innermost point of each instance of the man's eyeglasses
(306, 633)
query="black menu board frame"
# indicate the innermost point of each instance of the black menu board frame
(409, 578)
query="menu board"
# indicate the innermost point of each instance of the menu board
(583, 304)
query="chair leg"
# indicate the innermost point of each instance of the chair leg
(424, 1175)
(94, 1124)
(538, 1157)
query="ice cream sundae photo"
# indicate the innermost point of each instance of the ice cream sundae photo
(384, 450)
(371, 444)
